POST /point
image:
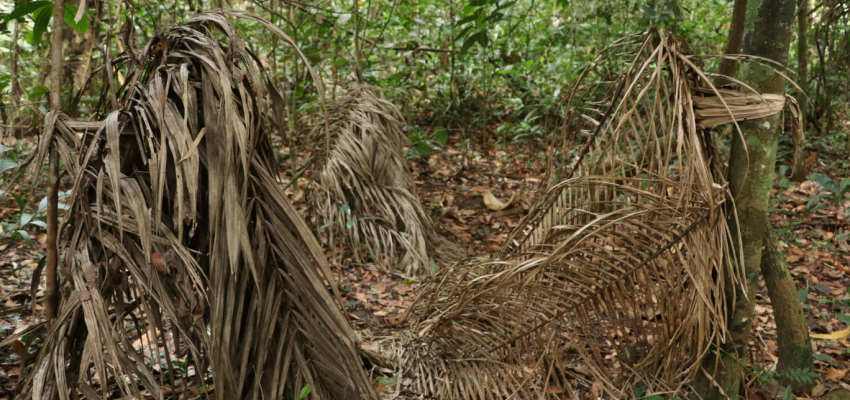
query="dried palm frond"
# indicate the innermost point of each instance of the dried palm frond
(617, 274)
(366, 192)
(180, 239)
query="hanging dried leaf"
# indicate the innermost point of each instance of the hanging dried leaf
(180, 237)
(366, 192)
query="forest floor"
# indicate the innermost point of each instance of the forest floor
(452, 184)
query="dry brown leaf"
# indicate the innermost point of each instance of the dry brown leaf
(158, 262)
(835, 374)
(493, 203)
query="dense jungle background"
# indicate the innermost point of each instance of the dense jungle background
(424, 199)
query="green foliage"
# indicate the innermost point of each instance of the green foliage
(305, 391)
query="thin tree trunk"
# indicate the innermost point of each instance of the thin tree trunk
(795, 347)
(734, 42)
(798, 172)
(52, 304)
(751, 165)
(14, 130)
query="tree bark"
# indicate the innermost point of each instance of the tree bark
(734, 42)
(51, 308)
(799, 172)
(767, 33)
(14, 130)
(792, 333)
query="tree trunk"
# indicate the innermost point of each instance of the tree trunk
(52, 296)
(799, 172)
(795, 347)
(734, 42)
(752, 160)
(14, 88)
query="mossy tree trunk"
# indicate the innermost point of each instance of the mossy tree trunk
(767, 33)
(795, 347)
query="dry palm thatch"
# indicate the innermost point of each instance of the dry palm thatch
(617, 274)
(366, 192)
(179, 240)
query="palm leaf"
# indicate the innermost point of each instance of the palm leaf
(616, 276)
(366, 192)
(180, 239)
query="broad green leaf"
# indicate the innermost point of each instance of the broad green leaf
(423, 148)
(639, 389)
(42, 19)
(28, 8)
(7, 164)
(845, 185)
(476, 37)
(788, 395)
(843, 318)
(826, 182)
(70, 13)
(25, 220)
(441, 135)
(23, 235)
(37, 92)
(42, 205)
(803, 294)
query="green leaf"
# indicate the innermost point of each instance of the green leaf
(423, 148)
(25, 219)
(843, 318)
(22, 234)
(803, 294)
(304, 392)
(639, 389)
(387, 382)
(822, 357)
(788, 395)
(350, 223)
(71, 12)
(42, 19)
(7, 164)
(845, 185)
(441, 135)
(816, 198)
(42, 205)
(477, 37)
(37, 92)
(826, 182)
(505, 5)
(28, 8)
(654, 397)
(434, 267)
(346, 209)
